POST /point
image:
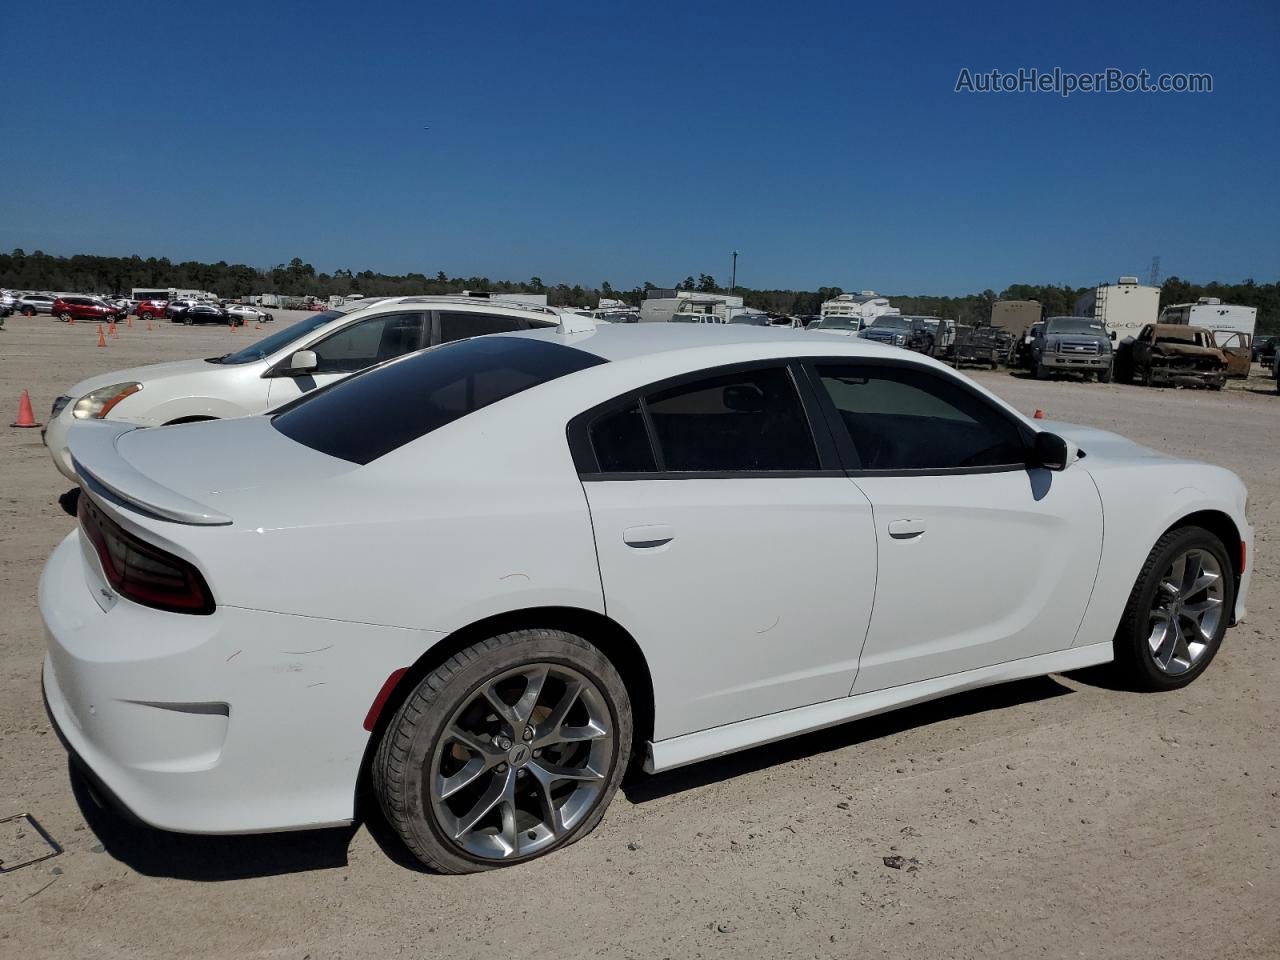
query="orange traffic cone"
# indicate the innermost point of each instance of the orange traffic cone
(148, 321)
(102, 341)
(71, 319)
(25, 417)
(129, 321)
(1038, 415)
(112, 327)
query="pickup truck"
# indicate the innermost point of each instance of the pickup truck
(1176, 354)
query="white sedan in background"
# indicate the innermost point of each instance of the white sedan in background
(247, 314)
(502, 567)
(315, 351)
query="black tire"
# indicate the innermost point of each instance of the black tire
(187, 321)
(1104, 376)
(401, 767)
(64, 317)
(1041, 371)
(1133, 662)
(1148, 378)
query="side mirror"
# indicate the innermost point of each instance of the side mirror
(1053, 452)
(1113, 334)
(303, 361)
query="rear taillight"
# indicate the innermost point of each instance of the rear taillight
(140, 571)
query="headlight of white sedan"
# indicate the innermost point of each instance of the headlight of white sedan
(98, 403)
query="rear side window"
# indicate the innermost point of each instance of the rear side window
(748, 421)
(459, 326)
(621, 442)
(372, 413)
(900, 418)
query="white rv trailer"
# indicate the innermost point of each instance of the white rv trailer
(1125, 307)
(1212, 314)
(864, 307)
(663, 306)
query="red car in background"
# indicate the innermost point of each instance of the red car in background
(86, 308)
(151, 308)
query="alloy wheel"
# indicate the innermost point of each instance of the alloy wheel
(1186, 611)
(521, 762)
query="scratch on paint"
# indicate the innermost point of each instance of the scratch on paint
(320, 684)
(776, 620)
(303, 653)
(233, 656)
(510, 575)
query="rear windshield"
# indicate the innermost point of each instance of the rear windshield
(372, 413)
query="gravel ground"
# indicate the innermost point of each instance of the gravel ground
(1052, 817)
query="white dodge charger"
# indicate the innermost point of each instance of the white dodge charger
(482, 578)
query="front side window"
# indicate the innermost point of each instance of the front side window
(459, 326)
(745, 421)
(902, 418)
(362, 344)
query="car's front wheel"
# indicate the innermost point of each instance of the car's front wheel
(1178, 611)
(508, 750)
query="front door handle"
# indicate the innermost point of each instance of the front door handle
(648, 535)
(906, 529)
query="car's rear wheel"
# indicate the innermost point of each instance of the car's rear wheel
(507, 751)
(1178, 611)
(64, 317)
(188, 321)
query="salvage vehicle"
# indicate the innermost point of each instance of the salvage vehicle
(313, 352)
(148, 309)
(68, 308)
(248, 314)
(1176, 354)
(29, 304)
(986, 346)
(488, 589)
(1072, 344)
(204, 313)
(910, 333)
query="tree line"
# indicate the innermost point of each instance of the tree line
(118, 275)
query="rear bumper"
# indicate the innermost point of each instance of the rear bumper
(239, 722)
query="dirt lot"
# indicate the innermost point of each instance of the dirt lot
(1053, 817)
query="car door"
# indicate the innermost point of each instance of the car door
(730, 544)
(349, 349)
(1238, 348)
(981, 558)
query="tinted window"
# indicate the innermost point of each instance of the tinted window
(362, 344)
(747, 421)
(621, 442)
(368, 415)
(459, 326)
(901, 418)
(281, 339)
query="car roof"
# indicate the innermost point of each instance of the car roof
(482, 304)
(632, 340)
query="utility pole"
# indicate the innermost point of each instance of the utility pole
(733, 273)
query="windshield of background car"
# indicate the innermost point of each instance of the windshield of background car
(837, 323)
(1076, 325)
(754, 319)
(893, 323)
(278, 341)
(374, 412)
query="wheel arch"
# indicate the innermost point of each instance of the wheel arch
(1224, 528)
(605, 634)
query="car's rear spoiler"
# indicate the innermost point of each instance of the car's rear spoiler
(105, 473)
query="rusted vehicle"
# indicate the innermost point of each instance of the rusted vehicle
(1176, 354)
(982, 346)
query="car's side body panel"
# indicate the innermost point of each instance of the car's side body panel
(1002, 570)
(729, 635)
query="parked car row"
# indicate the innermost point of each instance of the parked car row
(527, 520)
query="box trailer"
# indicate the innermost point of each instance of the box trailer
(1125, 307)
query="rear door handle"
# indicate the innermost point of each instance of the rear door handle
(906, 529)
(648, 535)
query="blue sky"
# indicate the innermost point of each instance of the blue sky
(594, 141)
